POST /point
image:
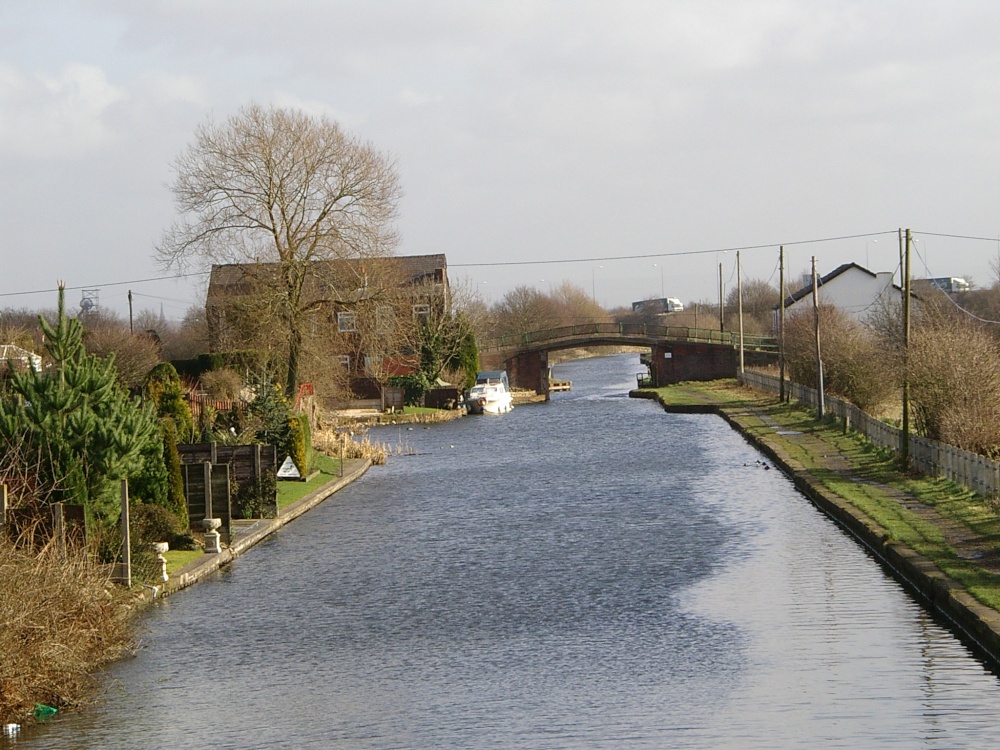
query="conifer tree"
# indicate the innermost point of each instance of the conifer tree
(90, 432)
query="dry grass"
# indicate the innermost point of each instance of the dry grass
(352, 444)
(60, 620)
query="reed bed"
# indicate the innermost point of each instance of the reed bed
(353, 443)
(60, 620)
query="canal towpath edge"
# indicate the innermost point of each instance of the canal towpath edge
(976, 624)
(246, 534)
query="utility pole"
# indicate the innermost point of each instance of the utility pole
(819, 358)
(739, 303)
(902, 261)
(904, 448)
(781, 324)
(130, 330)
(722, 303)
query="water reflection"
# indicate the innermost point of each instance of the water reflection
(588, 573)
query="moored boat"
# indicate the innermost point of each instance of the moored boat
(490, 395)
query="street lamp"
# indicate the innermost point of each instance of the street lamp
(655, 265)
(867, 244)
(593, 283)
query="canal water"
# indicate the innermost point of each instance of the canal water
(587, 573)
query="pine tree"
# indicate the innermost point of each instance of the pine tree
(87, 428)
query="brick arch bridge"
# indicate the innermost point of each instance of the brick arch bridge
(677, 353)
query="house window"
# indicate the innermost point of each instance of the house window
(422, 311)
(346, 322)
(385, 319)
(345, 361)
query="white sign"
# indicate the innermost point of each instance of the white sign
(289, 470)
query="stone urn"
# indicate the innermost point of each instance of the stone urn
(211, 525)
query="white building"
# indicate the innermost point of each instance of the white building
(855, 290)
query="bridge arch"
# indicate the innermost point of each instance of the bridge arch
(677, 353)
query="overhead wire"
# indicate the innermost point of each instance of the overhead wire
(952, 300)
(678, 253)
(109, 283)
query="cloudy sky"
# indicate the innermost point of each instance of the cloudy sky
(638, 143)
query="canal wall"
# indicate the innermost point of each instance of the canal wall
(977, 625)
(245, 534)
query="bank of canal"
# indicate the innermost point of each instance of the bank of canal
(938, 539)
(590, 573)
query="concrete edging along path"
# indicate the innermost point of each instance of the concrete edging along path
(249, 533)
(976, 624)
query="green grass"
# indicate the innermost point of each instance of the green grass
(419, 410)
(328, 468)
(177, 559)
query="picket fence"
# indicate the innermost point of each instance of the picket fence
(930, 457)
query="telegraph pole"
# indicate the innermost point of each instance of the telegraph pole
(739, 303)
(819, 358)
(781, 324)
(722, 303)
(904, 448)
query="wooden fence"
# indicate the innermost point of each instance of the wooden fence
(930, 457)
(64, 524)
(251, 468)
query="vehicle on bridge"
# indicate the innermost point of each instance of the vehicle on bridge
(491, 394)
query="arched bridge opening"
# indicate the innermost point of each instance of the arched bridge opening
(677, 353)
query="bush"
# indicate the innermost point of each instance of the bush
(954, 372)
(222, 385)
(255, 497)
(295, 445)
(163, 388)
(153, 523)
(854, 365)
(414, 385)
(61, 623)
(176, 501)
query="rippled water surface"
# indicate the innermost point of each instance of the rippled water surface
(588, 573)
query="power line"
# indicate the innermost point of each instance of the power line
(947, 296)
(109, 283)
(958, 236)
(678, 253)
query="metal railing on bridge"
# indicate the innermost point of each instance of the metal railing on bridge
(637, 333)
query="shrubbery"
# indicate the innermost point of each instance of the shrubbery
(61, 622)
(414, 385)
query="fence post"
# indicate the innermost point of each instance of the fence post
(59, 527)
(125, 571)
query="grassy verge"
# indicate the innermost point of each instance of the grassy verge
(177, 559)
(868, 478)
(328, 468)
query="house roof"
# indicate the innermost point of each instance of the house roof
(838, 271)
(228, 278)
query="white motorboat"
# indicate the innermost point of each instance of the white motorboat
(490, 395)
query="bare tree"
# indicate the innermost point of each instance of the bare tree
(524, 309)
(576, 306)
(855, 365)
(759, 301)
(278, 186)
(954, 374)
(188, 338)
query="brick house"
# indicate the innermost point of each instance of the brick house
(366, 303)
